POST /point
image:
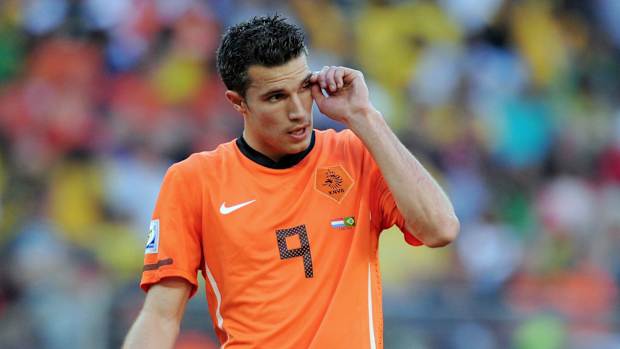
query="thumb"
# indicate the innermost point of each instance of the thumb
(317, 94)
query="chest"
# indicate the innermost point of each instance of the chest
(261, 221)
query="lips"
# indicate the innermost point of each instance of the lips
(299, 133)
(298, 130)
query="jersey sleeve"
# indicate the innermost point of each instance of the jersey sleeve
(174, 244)
(383, 208)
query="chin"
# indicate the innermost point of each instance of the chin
(298, 147)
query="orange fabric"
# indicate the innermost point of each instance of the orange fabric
(288, 276)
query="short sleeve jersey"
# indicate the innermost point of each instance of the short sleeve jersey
(290, 255)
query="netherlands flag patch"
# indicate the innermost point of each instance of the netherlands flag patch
(345, 222)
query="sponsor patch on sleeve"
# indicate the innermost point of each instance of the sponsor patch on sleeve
(152, 243)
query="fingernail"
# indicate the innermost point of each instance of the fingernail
(332, 87)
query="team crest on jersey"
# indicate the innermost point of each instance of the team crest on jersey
(333, 181)
(152, 242)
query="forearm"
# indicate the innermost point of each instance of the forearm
(152, 331)
(428, 213)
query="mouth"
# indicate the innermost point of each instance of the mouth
(299, 132)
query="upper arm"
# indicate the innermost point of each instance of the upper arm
(175, 235)
(382, 203)
(166, 299)
(157, 325)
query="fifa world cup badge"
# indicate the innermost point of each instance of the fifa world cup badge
(152, 242)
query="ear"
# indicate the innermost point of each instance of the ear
(237, 101)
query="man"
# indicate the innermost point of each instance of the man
(284, 222)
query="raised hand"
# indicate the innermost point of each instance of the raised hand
(346, 93)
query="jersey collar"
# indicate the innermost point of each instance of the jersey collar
(286, 161)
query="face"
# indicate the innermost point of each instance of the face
(277, 108)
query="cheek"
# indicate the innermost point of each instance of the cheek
(268, 120)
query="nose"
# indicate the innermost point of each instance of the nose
(296, 108)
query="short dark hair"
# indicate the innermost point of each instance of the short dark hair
(268, 41)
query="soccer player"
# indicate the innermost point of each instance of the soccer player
(284, 222)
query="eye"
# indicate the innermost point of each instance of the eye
(275, 97)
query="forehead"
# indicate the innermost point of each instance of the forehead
(284, 76)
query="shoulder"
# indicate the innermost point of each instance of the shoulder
(344, 138)
(197, 163)
(344, 142)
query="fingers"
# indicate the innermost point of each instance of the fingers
(321, 77)
(338, 91)
(339, 78)
(331, 78)
(317, 94)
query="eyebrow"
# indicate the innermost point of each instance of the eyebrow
(307, 78)
(279, 90)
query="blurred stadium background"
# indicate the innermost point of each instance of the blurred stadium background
(513, 105)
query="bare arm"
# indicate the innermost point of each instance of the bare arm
(428, 213)
(427, 210)
(157, 325)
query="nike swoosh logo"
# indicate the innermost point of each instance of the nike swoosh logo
(227, 210)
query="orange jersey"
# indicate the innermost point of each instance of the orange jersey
(289, 254)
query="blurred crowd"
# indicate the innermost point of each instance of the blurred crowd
(514, 106)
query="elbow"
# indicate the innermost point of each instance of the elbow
(443, 233)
